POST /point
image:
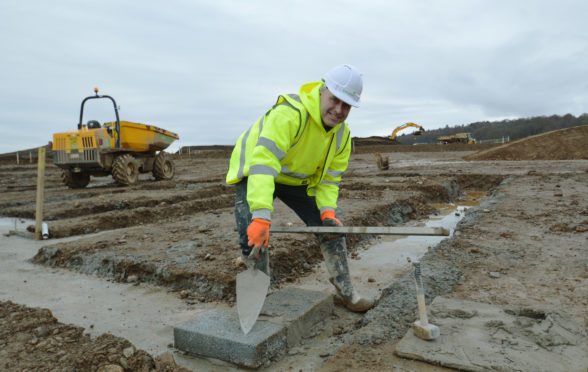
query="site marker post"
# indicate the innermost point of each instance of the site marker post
(40, 193)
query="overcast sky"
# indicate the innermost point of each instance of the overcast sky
(208, 69)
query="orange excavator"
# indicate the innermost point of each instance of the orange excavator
(418, 132)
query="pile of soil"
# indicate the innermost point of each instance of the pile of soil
(564, 144)
(32, 339)
(374, 141)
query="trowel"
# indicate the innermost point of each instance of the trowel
(252, 287)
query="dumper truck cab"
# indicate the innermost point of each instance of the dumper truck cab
(122, 149)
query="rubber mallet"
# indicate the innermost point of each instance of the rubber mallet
(422, 328)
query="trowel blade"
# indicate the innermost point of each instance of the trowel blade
(252, 287)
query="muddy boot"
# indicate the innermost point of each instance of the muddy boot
(261, 263)
(335, 254)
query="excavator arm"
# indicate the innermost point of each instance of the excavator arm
(419, 131)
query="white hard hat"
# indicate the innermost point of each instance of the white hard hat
(344, 81)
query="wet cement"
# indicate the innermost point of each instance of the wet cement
(143, 314)
(483, 337)
(388, 258)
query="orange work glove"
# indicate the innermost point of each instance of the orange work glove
(329, 219)
(258, 232)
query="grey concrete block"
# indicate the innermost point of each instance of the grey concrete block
(299, 310)
(288, 315)
(218, 334)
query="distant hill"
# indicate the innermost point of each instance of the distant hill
(514, 129)
(482, 131)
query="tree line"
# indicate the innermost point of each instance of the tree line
(509, 128)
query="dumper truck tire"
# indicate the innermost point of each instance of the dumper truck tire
(125, 170)
(163, 167)
(75, 180)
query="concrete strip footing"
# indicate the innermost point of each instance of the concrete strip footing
(288, 315)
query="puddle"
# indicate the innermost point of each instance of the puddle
(378, 265)
(396, 250)
(14, 224)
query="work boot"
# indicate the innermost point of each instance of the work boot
(357, 304)
(335, 254)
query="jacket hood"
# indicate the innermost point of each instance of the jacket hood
(309, 94)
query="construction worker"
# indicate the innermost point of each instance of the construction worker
(297, 152)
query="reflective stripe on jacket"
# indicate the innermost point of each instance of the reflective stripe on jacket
(289, 145)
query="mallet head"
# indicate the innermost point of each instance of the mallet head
(428, 332)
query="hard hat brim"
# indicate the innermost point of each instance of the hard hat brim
(346, 98)
(339, 93)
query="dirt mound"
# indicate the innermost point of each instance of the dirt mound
(564, 144)
(51, 345)
(374, 140)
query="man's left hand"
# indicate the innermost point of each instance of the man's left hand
(329, 219)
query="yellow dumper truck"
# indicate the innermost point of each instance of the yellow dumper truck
(456, 138)
(122, 149)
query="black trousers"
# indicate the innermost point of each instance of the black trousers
(294, 197)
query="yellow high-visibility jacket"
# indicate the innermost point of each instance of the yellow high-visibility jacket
(290, 146)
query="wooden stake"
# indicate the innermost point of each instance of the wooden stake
(40, 193)
(17, 159)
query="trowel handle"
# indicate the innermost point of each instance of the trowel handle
(420, 294)
(255, 252)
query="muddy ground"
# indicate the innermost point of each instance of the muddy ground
(523, 245)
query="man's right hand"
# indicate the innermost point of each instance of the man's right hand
(258, 233)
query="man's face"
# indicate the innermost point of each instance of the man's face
(333, 110)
